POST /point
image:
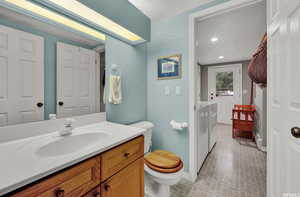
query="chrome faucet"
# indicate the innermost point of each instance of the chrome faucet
(68, 127)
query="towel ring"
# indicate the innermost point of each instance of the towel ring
(115, 70)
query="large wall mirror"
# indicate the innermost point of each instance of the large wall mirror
(49, 67)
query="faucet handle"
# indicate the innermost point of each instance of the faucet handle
(69, 122)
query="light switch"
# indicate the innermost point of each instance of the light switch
(167, 90)
(178, 90)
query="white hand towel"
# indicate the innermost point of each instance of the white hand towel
(115, 90)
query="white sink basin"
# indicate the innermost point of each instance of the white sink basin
(71, 144)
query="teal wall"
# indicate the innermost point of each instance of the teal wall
(168, 37)
(132, 62)
(123, 13)
(49, 59)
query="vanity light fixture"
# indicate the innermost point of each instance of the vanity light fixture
(90, 16)
(214, 39)
(53, 16)
(221, 57)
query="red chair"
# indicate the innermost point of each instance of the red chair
(243, 117)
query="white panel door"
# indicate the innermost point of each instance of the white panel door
(283, 98)
(22, 77)
(87, 82)
(225, 88)
(76, 81)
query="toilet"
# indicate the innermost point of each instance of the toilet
(157, 184)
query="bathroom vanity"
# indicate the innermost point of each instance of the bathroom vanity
(112, 167)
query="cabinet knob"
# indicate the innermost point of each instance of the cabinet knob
(60, 103)
(106, 187)
(295, 132)
(97, 194)
(59, 193)
(126, 155)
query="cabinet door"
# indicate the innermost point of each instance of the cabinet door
(127, 183)
(118, 158)
(73, 182)
(94, 193)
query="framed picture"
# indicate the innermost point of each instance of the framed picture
(169, 67)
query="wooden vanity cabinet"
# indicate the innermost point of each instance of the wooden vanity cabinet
(127, 183)
(96, 192)
(118, 158)
(118, 172)
(73, 182)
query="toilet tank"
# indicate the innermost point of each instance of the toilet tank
(147, 135)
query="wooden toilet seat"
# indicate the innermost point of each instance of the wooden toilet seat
(163, 161)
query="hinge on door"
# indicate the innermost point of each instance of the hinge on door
(195, 107)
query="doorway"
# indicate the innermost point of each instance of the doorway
(218, 89)
(224, 88)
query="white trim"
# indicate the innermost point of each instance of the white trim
(192, 63)
(100, 48)
(186, 176)
(98, 81)
(223, 8)
(243, 3)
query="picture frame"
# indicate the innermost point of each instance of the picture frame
(169, 67)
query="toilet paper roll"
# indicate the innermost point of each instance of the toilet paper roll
(178, 126)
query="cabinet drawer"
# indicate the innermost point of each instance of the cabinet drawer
(94, 193)
(116, 159)
(73, 182)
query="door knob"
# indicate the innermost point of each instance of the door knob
(40, 104)
(60, 103)
(295, 132)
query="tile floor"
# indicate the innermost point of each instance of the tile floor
(235, 168)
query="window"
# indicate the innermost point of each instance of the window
(224, 84)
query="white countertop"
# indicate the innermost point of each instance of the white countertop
(21, 163)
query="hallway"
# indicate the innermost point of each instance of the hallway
(235, 168)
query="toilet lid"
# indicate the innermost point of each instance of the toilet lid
(164, 170)
(163, 159)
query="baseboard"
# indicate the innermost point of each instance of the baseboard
(258, 140)
(187, 176)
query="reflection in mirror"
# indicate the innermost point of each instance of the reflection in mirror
(52, 67)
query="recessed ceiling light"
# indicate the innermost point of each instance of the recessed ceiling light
(214, 39)
(221, 57)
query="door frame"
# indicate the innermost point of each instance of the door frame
(238, 66)
(214, 10)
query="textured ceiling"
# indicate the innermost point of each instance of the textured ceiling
(159, 9)
(239, 33)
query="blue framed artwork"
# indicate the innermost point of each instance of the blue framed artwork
(169, 67)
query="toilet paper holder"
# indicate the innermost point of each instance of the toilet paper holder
(178, 125)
